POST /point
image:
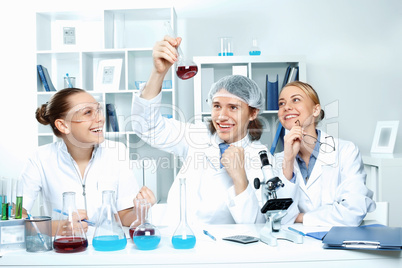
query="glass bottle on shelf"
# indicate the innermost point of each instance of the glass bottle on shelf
(183, 237)
(109, 234)
(146, 236)
(255, 50)
(137, 222)
(70, 236)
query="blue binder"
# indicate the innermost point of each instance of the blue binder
(45, 78)
(272, 94)
(369, 238)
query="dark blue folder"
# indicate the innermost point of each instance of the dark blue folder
(370, 238)
(272, 94)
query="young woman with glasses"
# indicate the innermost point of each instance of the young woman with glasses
(81, 161)
(327, 171)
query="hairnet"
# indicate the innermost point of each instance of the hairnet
(240, 86)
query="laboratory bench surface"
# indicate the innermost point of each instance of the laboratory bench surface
(219, 253)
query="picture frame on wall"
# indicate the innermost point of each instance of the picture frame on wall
(385, 137)
(108, 75)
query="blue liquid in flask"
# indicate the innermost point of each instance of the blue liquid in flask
(109, 243)
(180, 243)
(147, 242)
(254, 53)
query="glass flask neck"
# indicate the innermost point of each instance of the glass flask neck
(183, 201)
(68, 201)
(145, 209)
(108, 198)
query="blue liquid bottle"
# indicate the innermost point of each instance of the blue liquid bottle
(146, 236)
(109, 234)
(183, 237)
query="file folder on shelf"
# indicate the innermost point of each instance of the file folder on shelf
(370, 238)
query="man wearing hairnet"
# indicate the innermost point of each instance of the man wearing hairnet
(220, 157)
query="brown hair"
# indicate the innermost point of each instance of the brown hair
(56, 108)
(255, 127)
(310, 92)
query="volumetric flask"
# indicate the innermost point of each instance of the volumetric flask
(146, 236)
(70, 236)
(185, 68)
(109, 234)
(137, 222)
(183, 237)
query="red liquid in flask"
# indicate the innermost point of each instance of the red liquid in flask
(70, 244)
(186, 72)
(131, 231)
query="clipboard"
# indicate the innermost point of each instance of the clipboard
(367, 238)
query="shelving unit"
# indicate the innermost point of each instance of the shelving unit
(108, 34)
(211, 69)
(383, 178)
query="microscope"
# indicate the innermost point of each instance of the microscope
(274, 208)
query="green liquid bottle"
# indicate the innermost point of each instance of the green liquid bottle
(18, 208)
(4, 211)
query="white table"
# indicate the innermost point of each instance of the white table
(214, 253)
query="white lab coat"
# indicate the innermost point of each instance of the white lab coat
(335, 193)
(51, 171)
(210, 192)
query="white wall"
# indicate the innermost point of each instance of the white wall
(352, 50)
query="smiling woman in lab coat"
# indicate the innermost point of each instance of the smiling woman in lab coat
(214, 194)
(81, 161)
(327, 172)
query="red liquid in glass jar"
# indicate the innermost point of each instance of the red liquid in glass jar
(70, 244)
(186, 72)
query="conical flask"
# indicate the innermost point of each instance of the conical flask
(137, 209)
(146, 236)
(70, 236)
(109, 234)
(183, 237)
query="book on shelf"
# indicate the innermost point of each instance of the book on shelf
(291, 74)
(45, 78)
(286, 77)
(294, 74)
(111, 118)
(280, 133)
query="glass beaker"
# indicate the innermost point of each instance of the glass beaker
(137, 222)
(255, 50)
(183, 237)
(146, 236)
(226, 46)
(186, 68)
(109, 234)
(70, 236)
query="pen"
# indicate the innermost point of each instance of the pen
(90, 223)
(296, 231)
(208, 234)
(69, 81)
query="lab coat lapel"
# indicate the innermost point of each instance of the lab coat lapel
(323, 161)
(212, 156)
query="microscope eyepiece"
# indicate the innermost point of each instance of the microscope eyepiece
(264, 158)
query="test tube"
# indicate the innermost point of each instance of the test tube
(18, 202)
(4, 204)
(1, 196)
